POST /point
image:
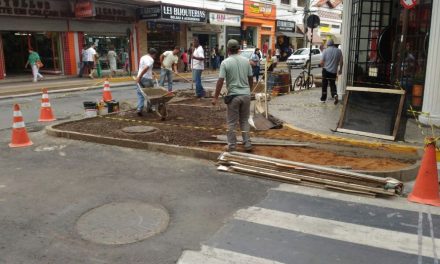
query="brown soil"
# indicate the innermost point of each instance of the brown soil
(187, 124)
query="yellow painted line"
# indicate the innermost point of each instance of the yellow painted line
(359, 143)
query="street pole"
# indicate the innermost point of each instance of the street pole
(306, 14)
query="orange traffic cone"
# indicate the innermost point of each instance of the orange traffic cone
(46, 114)
(107, 94)
(19, 134)
(426, 188)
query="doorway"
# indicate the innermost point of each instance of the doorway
(16, 45)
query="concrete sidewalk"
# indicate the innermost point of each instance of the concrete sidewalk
(305, 111)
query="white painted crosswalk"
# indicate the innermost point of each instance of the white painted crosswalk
(262, 234)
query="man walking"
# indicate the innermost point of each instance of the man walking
(91, 59)
(84, 63)
(145, 77)
(197, 66)
(331, 59)
(237, 72)
(168, 62)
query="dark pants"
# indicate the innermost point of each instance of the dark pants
(256, 72)
(84, 69)
(326, 78)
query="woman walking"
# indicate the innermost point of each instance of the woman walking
(35, 62)
(112, 56)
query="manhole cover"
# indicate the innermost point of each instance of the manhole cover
(139, 129)
(122, 223)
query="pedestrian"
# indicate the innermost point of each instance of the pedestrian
(237, 73)
(126, 60)
(184, 58)
(91, 59)
(221, 52)
(331, 59)
(265, 48)
(217, 57)
(190, 53)
(145, 77)
(112, 60)
(197, 66)
(213, 59)
(255, 63)
(35, 62)
(84, 65)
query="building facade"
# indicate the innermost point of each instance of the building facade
(59, 29)
(289, 24)
(385, 43)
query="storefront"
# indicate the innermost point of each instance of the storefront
(286, 37)
(230, 24)
(171, 25)
(385, 43)
(57, 31)
(258, 24)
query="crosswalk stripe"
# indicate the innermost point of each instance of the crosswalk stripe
(395, 203)
(348, 232)
(220, 256)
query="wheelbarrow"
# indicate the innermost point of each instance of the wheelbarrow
(156, 100)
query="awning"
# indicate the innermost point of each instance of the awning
(290, 34)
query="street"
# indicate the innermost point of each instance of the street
(214, 217)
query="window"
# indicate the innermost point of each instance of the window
(336, 26)
(302, 3)
(285, 2)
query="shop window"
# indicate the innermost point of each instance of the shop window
(285, 2)
(302, 3)
(106, 42)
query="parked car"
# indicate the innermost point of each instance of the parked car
(300, 58)
(247, 53)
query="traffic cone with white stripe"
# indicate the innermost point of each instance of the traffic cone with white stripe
(107, 94)
(46, 114)
(19, 134)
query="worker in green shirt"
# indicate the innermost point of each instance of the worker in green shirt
(35, 62)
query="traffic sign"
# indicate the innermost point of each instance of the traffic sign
(313, 21)
(408, 4)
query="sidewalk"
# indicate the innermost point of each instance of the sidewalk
(23, 85)
(304, 111)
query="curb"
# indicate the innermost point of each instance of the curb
(405, 174)
(128, 143)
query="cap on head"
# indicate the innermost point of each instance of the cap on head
(233, 44)
(330, 42)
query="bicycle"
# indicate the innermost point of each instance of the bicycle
(303, 81)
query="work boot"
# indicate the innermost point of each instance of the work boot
(246, 141)
(230, 148)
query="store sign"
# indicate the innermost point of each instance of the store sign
(85, 8)
(183, 13)
(408, 4)
(174, 13)
(259, 10)
(105, 12)
(38, 8)
(224, 19)
(151, 12)
(285, 26)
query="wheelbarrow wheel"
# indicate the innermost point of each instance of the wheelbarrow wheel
(162, 111)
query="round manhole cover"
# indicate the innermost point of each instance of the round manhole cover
(139, 129)
(122, 223)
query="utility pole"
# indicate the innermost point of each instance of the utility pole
(306, 15)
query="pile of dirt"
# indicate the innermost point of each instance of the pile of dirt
(190, 121)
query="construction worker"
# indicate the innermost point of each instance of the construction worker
(168, 62)
(237, 72)
(145, 77)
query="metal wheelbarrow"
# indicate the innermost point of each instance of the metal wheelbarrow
(156, 100)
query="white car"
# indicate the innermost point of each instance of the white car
(300, 58)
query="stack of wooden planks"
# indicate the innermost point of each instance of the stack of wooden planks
(308, 174)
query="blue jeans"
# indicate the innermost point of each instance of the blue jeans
(256, 72)
(169, 75)
(197, 78)
(145, 83)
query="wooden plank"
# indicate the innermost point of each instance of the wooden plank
(375, 90)
(344, 109)
(257, 143)
(366, 134)
(399, 116)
